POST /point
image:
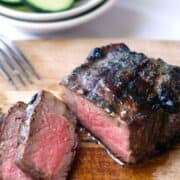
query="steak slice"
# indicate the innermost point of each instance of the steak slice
(9, 143)
(126, 100)
(47, 139)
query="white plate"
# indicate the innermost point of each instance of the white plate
(46, 27)
(81, 6)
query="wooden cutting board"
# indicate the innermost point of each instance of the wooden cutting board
(53, 59)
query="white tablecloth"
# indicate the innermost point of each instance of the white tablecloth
(145, 19)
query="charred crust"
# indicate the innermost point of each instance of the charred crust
(167, 99)
(96, 53)
(151, 83)
(101, 52)
(1, 118)
(34, 98)
(100, 101)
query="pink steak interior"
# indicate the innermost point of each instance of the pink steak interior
(116, 138)
(54, 140)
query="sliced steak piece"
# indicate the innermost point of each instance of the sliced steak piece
(47, 140)
(126, 100)
(9, 143)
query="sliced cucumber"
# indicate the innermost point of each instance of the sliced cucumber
(11, 2)
(49, 5)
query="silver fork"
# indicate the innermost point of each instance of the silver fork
(14, 65)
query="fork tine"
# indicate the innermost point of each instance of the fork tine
(6, 60)
(23, 58)
(10, 45)
(7, 77)
(11, 58)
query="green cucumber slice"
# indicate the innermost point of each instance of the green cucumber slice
(11, 2)
(49, 5)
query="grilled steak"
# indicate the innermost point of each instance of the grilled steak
(47, 139)
(9, 142)
(126, 100)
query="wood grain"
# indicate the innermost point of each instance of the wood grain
(53, 59)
